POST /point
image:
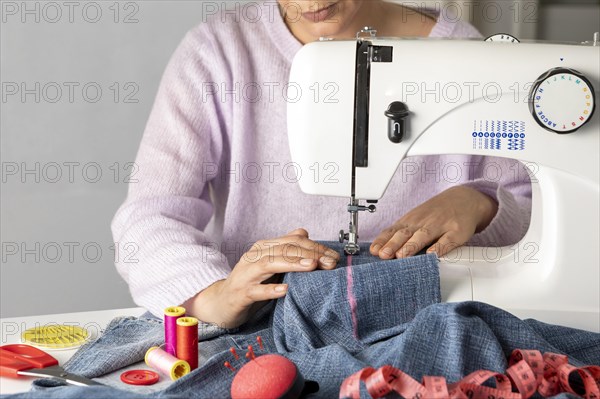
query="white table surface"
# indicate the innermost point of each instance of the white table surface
(94, 322)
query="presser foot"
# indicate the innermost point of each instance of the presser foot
(352, 247)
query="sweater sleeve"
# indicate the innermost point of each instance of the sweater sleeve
(508, 182)
(504, 180)
(165, 256)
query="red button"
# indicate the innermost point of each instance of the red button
(139, 377)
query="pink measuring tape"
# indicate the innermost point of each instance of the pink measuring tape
(529, 372)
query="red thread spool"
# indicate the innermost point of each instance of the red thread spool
(268, 377)
(187, 340)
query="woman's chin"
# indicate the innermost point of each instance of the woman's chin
(328, 29)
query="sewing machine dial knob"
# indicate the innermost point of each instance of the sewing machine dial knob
(562, 100)
(503, 38)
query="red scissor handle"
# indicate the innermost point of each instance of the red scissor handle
(19, 357)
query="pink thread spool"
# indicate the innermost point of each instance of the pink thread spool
(166, 363)
(171, 315)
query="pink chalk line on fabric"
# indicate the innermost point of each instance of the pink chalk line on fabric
(351, 297)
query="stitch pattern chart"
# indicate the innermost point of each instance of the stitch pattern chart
(498, 135)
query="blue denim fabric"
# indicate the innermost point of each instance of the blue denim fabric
(399, 322)
(316, 312)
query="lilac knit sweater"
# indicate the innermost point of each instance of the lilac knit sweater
(215, 147)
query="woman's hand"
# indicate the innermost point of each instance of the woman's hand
(447, 221)
(230, 302)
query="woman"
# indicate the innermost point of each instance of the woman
(216, 145)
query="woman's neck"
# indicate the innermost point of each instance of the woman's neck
(390, 20)
(395, 20)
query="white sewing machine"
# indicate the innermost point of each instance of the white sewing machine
(538, 108)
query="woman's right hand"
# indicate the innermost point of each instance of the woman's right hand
(254, 279)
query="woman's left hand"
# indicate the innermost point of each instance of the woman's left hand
(443, 223)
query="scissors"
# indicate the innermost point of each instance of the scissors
(20, 359)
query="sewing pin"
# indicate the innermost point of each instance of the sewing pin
(234, 353)
(250, 353)
(229, 366)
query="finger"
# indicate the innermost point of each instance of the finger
(325, 258)
(294, 240)
(327, 263)
(381, 240)
(295, 246)
(298, 232)
(448, 242)
(264, 292)
(399, 238)
(422, 237)
(318, 250)
(309, 248)
(265, 268)
(287, 265)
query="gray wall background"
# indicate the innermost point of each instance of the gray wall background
(66, 155)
